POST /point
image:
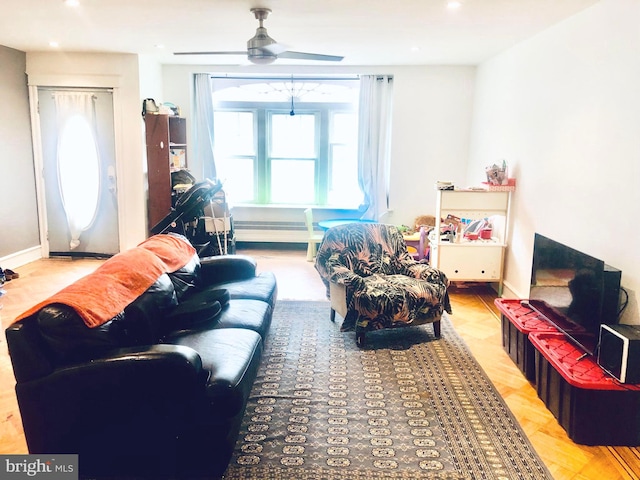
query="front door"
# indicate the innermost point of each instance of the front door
(78, 154)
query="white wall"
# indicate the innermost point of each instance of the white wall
(432, 108)
(150, 78)
(431, 127)
(120, 72)
(18, 209)
(563, 108)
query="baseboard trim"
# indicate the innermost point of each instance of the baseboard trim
(23, 257)
(271, 236)
(510, 292)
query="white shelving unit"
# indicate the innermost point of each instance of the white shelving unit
(472, 260)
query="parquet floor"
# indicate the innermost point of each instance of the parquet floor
(475, 318)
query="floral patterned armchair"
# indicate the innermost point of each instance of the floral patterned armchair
(374, 283)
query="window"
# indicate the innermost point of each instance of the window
(287, 141)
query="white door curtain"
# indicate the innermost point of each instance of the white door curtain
(77, 160)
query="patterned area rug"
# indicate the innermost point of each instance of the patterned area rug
(407, 406)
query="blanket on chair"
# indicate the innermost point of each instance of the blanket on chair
(385, 286)
(101, 295)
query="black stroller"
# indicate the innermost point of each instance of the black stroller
(209, 235)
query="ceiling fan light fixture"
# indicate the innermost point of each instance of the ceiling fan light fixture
(262, 59)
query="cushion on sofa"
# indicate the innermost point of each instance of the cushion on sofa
(261, 287)
(229, 267)
(185, 279)
(142, 322)
(70, 339)
(246, 313)
(238, 313)
(192, 315)
(195, 311)
(232, 356)
(208, 294)
(145, 315)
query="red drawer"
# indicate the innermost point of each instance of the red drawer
(593, 408)
(523, 318)
(577, 370)
(517, 322)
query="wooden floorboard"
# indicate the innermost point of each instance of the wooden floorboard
(475, 318)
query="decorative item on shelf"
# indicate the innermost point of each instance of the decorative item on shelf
(177, 158)
(460, 232)
(149, 106)
(478, 230)
(428, 221)
(440, 185)
(168, 108)
(498, 178)
(447, 233)
(452, 227)
(453, 219)
(497, 175)
(486, 233)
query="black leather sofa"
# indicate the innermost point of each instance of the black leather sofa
(157, 391)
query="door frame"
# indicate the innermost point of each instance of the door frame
(105, 84)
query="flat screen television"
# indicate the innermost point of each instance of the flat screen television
(574, 291)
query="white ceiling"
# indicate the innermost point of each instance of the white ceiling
(365, 32)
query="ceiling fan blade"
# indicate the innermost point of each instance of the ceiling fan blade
(275, 48)
(310, 56)
(262, 49)
(243, 52)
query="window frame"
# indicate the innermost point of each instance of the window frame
(263, 112)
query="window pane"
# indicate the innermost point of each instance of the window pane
(293, 136)
(292, 181)
(237, 175)
(233, 133)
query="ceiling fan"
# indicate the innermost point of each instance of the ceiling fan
(262, 49)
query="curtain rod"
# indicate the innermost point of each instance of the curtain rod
(285, 77)
(76, 89)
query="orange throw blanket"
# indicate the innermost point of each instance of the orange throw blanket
(103, 294)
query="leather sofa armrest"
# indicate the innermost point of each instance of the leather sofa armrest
(164, 355)
(164, 364)
(29, 356)
(128, 394)
(226, 268)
